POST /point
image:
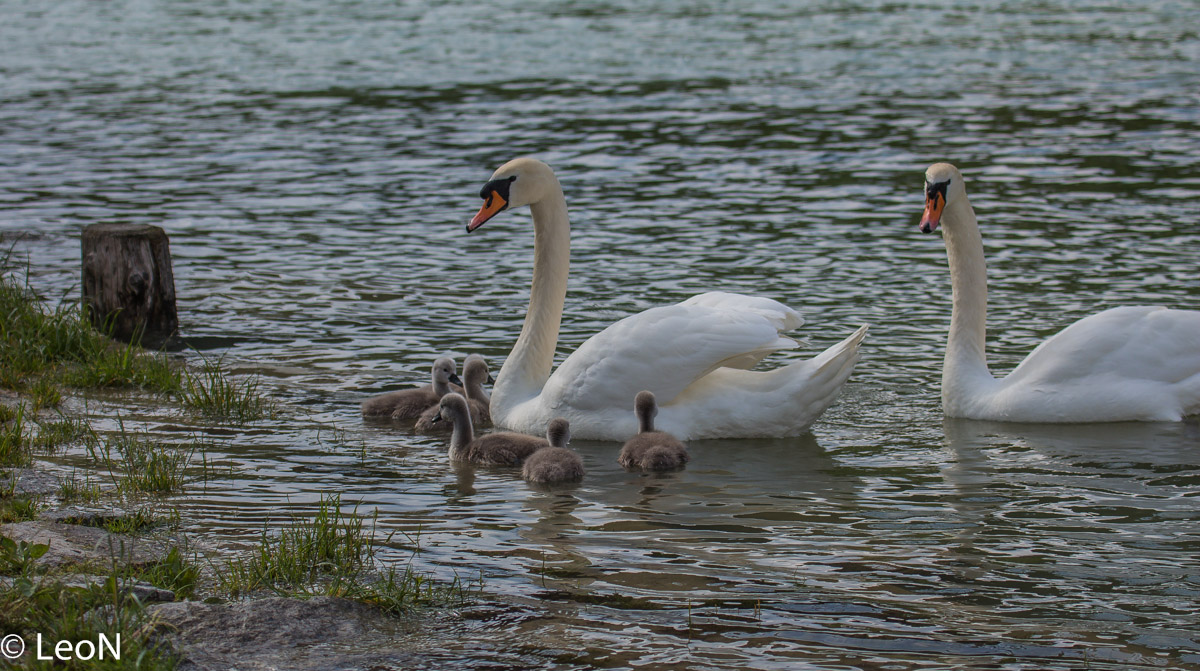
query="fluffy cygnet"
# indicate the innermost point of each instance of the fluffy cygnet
(492, 449)
(555, 463)
(475, 373)
(651, 450)
(410, 403)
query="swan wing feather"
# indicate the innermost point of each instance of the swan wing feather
(665, 349)
(1133, 343)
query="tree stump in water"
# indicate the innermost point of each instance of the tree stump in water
(128, 285)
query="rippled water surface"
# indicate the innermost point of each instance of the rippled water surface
(314, 164)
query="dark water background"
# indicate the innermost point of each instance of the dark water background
(314, 164)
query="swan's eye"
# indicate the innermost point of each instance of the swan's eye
(933, 189)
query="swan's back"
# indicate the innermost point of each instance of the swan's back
(665, 349)
(1135, 362)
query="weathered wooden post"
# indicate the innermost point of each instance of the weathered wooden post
(128, 284)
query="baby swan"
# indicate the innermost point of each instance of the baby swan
(651, 450)
(492, 449)
(410, 403)
(556, 463)
(480, 393)
(475, 373)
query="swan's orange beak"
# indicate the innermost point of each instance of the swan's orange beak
(492, 206)
(934, 204)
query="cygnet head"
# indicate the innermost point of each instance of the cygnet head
(453, 406)
(445, 370)
(475, 372)
(646, 409)
(943, 185)
(471, 357)
(521, 181)
(558, 432)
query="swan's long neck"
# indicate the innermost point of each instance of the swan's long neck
(966, 358)
(463, 433)
(528, 365)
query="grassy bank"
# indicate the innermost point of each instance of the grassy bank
(50, 353)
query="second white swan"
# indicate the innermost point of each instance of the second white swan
(693, 355)
(1123, 364)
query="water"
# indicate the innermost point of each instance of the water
(314, 164)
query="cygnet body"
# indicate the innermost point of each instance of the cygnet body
(410, 403)
(492, 449)
(556, 463)
(475, 373)
(651, 450)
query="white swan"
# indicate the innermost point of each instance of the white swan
(1123, 364)
(692, 355)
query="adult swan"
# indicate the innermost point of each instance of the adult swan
(1123, 364)
(692, 355)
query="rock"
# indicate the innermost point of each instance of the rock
(73, 544)
(32, 481)
(317, 634)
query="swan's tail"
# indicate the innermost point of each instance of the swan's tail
(780, 402)
(834, 365)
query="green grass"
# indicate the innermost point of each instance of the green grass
(173, 572)
(54, 434)
(146, 465)
(329, 545)
(42, 349)
(331, 554)
(142, 520)
(14, 444)
(211, 392)
(19, 508)
(74, 490)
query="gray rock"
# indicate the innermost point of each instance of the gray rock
(31, 481)
(72, 544)
(317, 634)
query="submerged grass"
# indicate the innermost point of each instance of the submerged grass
(147, 465)
(72, 489)
(212, 392)
(332, 554)
(53, 434)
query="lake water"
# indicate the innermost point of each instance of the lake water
(314, 164)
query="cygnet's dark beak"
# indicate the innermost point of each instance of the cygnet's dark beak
(491, 380)
(455, 379)
(436, 418)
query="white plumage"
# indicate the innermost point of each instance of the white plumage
(691, 355)
(1124, 364)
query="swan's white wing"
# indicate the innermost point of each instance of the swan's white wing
(1152, 344)
(664, 350)
(784, 318)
